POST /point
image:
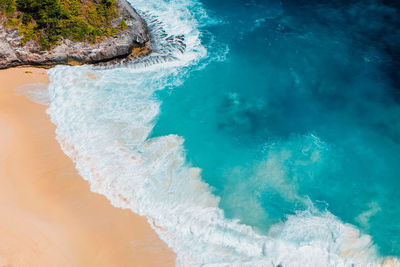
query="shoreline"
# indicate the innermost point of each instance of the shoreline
(49, 215)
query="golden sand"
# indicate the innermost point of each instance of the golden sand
(48, 215)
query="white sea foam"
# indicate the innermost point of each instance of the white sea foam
(36, 92)
(104, 118)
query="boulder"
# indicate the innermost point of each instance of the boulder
(12, 53)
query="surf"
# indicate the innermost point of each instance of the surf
(105, 117)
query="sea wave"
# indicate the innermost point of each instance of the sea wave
(104, 118)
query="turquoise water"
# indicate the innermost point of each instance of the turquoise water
(300, 112)
(272, 139)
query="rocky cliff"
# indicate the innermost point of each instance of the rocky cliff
(133, 40)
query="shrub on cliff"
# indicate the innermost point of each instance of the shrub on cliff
(48, 21)
(7, 6)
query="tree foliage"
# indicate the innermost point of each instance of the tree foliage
(49, 21)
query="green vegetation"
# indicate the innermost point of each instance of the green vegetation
(48, 21)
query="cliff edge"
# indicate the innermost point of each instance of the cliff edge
(133, 39)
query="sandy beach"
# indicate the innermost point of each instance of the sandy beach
(49, 217)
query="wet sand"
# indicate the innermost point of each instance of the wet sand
(49, 217)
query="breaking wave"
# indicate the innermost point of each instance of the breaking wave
(104, 118)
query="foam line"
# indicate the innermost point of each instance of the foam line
(104, 118)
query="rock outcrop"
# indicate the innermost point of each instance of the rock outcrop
(135, 38)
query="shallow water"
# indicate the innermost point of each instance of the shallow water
(301, 109)
(276, 116)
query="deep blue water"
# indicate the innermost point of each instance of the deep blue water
(304, 111)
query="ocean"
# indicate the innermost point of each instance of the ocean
(258, 133)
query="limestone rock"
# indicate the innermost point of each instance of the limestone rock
(70, 52)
